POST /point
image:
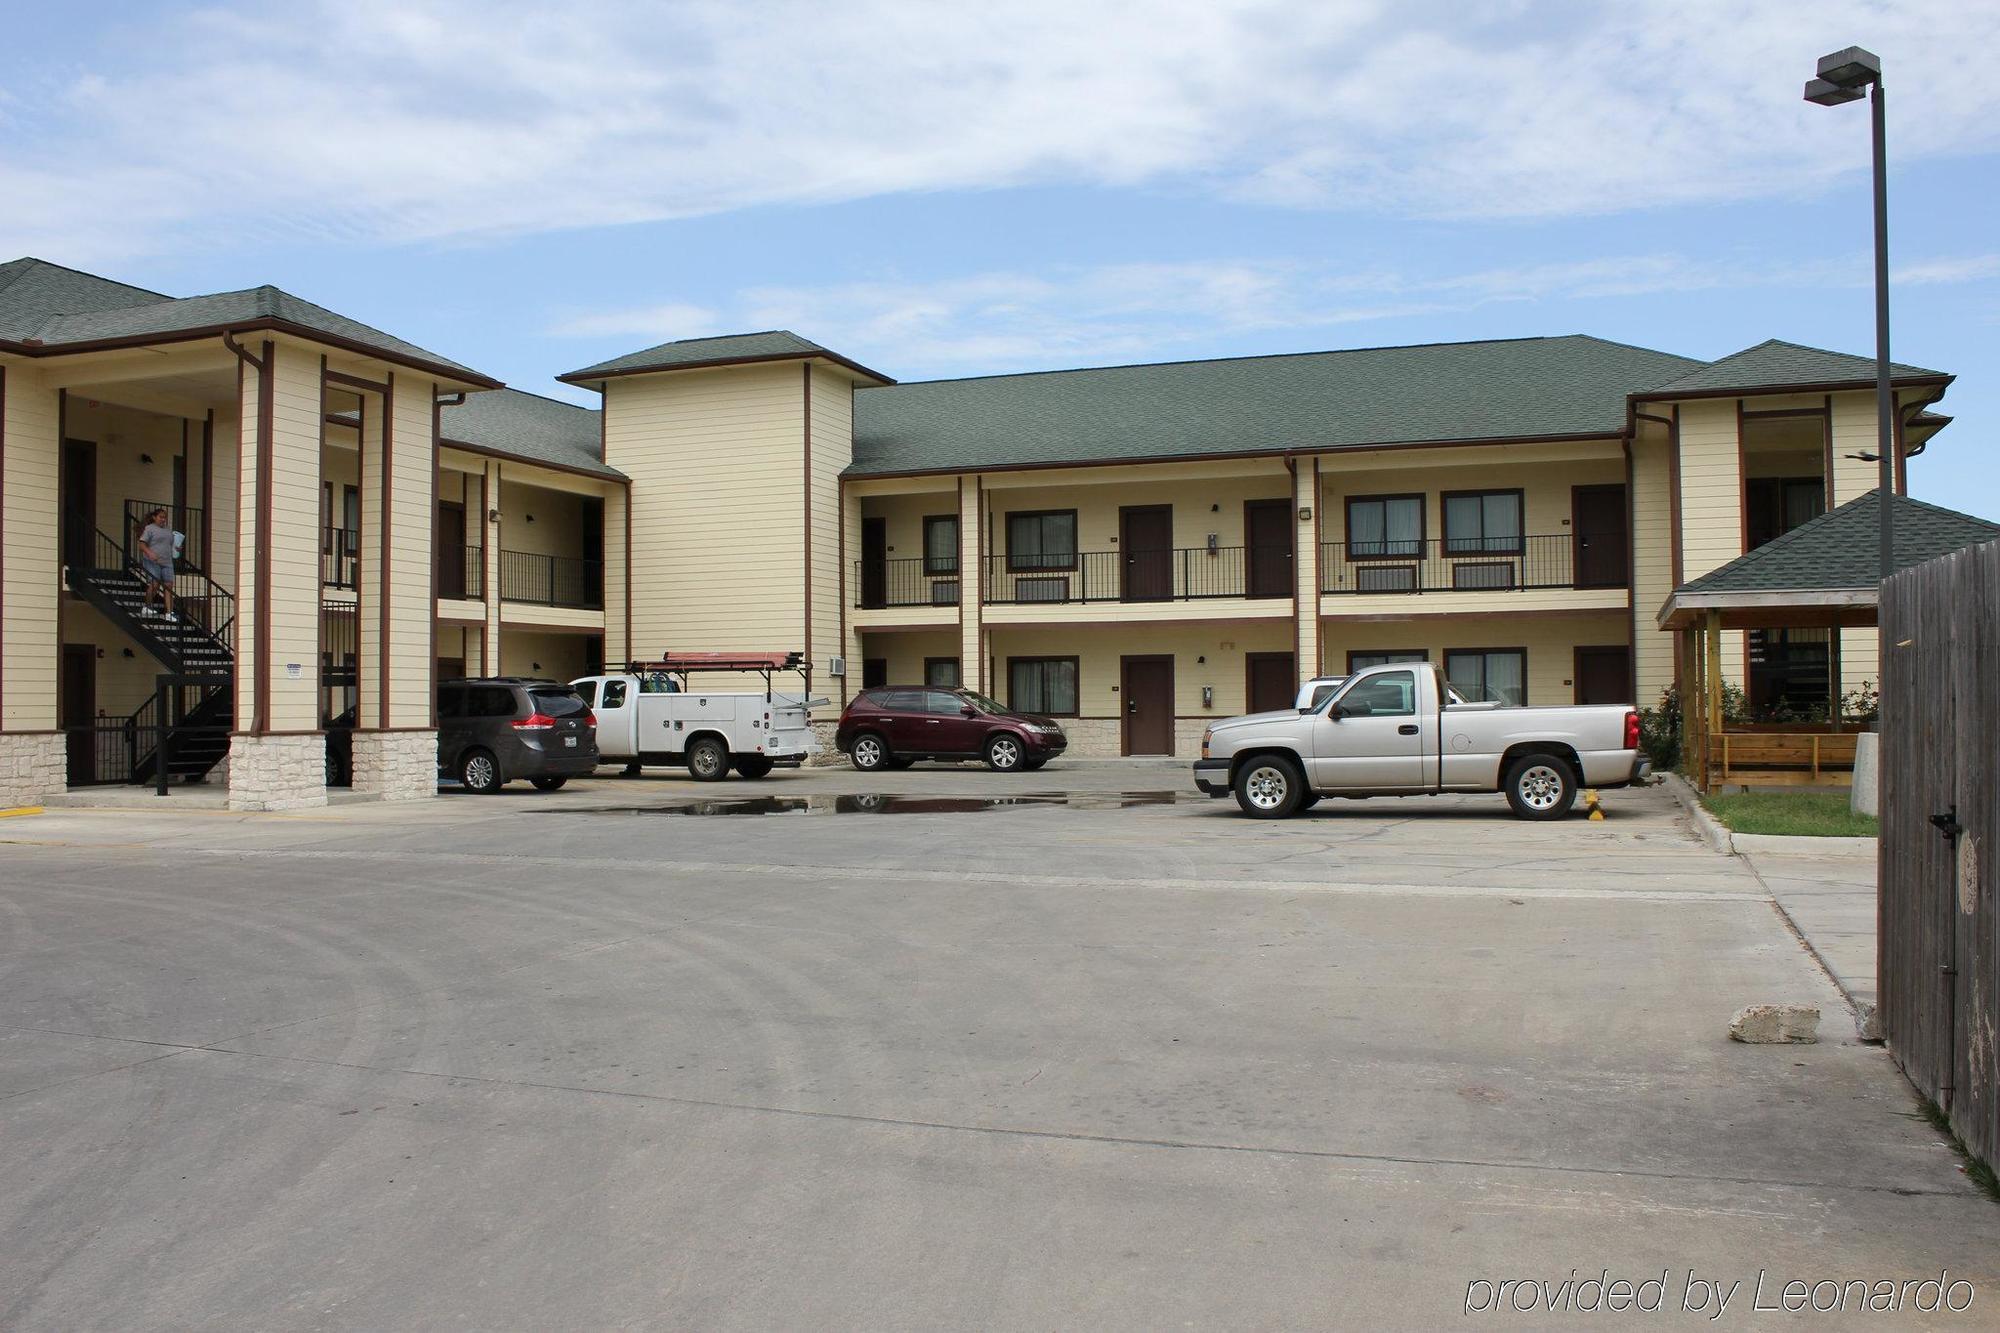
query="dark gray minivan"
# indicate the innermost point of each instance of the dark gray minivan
(498, 728)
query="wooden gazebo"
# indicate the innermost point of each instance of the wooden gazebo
(1823, 574)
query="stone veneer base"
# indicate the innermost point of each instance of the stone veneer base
(396, 765)
(34, 766)
(277, 772)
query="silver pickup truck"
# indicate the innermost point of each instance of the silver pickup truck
(1394, 730)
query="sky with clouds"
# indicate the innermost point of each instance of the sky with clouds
(943, 190)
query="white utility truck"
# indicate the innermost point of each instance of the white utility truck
(653, 713)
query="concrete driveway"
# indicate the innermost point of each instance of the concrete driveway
(587, 1061)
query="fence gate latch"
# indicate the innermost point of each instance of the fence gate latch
(1947, 824)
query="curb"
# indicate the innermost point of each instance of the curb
(1773, 844)
(1770, 844)
(15, 812)
(1711, 830)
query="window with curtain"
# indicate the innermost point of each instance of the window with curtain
(941, 544)
(1482, 521)
(941, 672)
(1382, 526)
(1362, 661)
(1488, 675)
(1042, 685)
(1773, 506)
(1045, 539)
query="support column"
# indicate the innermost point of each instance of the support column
(1305, 564)
(617, 565)
(972, 583)
(395, 739)
(32, 755)
(490, 505)
(850, 637)
(277, 757)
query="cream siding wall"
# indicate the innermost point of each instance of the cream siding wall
(1546, 501)
(832, 421)
(905, 655)
(122, 437)
(31, 453)
(544, 653)
(558, 526)
(617, 650)
(716, 461)
(851, 647)
(973, 540)
(223, 496)
(123, 683)
(1653, 562)
(294, 545)
(1309, 514)
(413, 509)
(1712, 501)
(1550, 643)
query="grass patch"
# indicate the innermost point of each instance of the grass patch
(1978, 1172)
(1796, 814)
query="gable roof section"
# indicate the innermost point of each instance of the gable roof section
(46, 308)
(730, 350)
(34, 291)
(1838, 551)
(1775, 364)
(1437, 393)
(531, 428)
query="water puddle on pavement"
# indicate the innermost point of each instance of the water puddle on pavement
(887, 803)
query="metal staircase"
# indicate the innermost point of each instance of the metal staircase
(194, 712)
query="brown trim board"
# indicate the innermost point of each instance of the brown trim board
(227, 332)
(715, 363)
(383, 579)
(3, 548)
(806, 408)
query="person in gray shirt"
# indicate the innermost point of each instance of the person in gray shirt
(156, 557)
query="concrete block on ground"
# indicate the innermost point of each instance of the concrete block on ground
(1775, 1023)
(1865, 798)
(1867, 1022)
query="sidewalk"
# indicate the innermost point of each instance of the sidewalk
(1831, 902)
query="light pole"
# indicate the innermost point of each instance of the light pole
(1842, 77)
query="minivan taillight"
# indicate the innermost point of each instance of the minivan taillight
(1631, 731)
(535, 722)
(589, 718)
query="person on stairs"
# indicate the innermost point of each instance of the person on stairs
(157, 548)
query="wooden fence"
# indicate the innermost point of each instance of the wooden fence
(1940, 922)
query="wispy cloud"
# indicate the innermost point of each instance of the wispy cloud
(402, 120)
(1081, 315)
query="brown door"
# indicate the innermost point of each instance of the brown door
(874, 562)
(451, 549)
(1147, 685)
(79, 710)
(1597, 520)
(1267, 538)
(1146, 536)
(79, 505)
(1274, 682)
(1604, 675)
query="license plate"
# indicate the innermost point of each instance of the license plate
(570, 741)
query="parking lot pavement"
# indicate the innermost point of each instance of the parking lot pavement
(593, 1060)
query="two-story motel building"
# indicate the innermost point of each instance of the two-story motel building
(1137, 549)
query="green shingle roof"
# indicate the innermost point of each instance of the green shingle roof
(1774, 364)
(46, 307)
(1838, 551)
(1523, 388)
(34, 291)
(532, 428)
(690, 353)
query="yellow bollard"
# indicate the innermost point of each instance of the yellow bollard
(1594, 805)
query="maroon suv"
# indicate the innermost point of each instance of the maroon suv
(893, 726)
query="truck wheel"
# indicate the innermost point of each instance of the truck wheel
(1269, 787)
(869, 752)
(1540, 786)
(754, 766)
(1004, 753)
(707, 761)
(479, 772)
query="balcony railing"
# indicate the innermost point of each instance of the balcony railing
(189, 522)
(552, 580)
(1179, 574)
(462, 573)
(1476, 565)
(340, 557)
(915, 581)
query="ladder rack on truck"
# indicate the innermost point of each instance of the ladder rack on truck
(767, 665)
